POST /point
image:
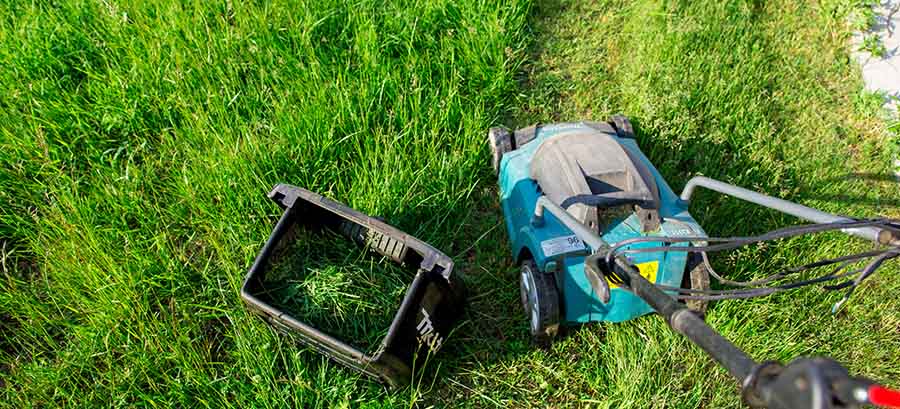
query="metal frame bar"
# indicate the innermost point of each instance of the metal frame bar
(875, 234)
(592, 240)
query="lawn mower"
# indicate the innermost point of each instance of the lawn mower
(600, 236)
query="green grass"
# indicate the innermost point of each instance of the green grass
(332, 284)
(138, 140)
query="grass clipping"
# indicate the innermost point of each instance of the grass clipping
(343, 289)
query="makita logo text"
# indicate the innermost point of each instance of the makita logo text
(427, 334)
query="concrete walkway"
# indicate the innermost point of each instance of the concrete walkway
(882, 73)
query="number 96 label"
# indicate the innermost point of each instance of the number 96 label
(561, 245)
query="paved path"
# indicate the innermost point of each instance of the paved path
(883, 73)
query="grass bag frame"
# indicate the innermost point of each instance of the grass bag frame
(431, 306)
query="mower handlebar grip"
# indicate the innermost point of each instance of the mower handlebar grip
(809, 383)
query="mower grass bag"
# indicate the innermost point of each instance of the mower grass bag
(431, 305)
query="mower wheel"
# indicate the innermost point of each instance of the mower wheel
(696, 277)
(541, 302)
(501, 141)
(622, 125)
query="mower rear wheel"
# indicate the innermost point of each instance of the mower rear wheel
(696, 277)
(501, 141)
(540, 299)
(622, 125)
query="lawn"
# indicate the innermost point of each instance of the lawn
(138, 140)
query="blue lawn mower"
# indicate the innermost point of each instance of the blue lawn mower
(600, 236)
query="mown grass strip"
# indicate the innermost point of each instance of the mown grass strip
(759, 94)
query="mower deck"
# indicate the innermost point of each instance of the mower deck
(616, 170)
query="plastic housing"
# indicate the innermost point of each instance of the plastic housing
(431, 306)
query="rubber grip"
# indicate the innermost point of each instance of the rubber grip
(881, 396)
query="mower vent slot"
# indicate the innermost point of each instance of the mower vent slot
(380, 243)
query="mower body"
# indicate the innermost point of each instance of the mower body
(555, 159)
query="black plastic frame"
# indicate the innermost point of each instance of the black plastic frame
(432, 305)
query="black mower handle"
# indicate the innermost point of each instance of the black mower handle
(814, 383)
(612, 199)
(805, 383)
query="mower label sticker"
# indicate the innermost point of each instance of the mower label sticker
(648, 270)
(561, 245)
(681, 232)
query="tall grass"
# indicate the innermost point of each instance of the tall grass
(762, 94)
(137, 143)
(331, 283)
(138, 140)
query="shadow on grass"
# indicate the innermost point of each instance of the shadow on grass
(496, 331)
(858, 177)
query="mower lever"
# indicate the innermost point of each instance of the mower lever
(805, 383)
(596, 274)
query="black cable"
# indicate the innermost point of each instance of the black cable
(847, 260)
(748, 292)
(792, 270)
(744, 294)
(714, 295)
(867, 272)
(834, 275)
(759, 292)
(736, 242)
